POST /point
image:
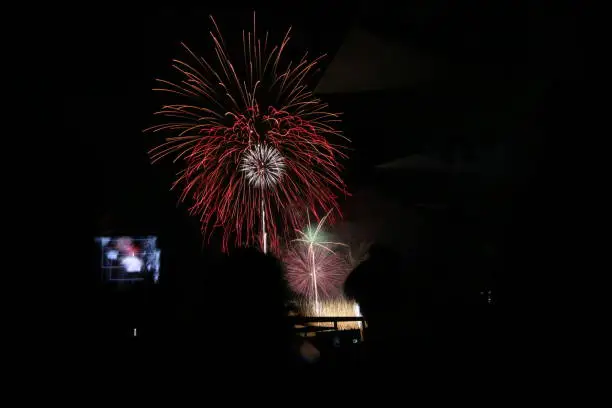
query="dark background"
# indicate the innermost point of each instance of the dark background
(501, 94)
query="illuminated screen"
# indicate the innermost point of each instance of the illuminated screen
(129, 259)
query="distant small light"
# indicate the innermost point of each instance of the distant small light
(135, 333)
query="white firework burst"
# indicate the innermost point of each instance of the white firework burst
(263, 165)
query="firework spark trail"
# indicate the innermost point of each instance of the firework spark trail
(225, 119)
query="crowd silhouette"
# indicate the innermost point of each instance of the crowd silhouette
(237, 316)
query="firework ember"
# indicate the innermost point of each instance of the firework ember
(255, 142)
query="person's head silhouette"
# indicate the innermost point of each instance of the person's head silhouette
(248, 297)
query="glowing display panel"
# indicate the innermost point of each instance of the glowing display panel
(129, 259)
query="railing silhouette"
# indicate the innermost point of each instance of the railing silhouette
(305, 320)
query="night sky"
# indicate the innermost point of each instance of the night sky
(485, 91)
(113, 101)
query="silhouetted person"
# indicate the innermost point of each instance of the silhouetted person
(395, 299)
(241, 319)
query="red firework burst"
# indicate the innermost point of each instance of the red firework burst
(255, 141)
